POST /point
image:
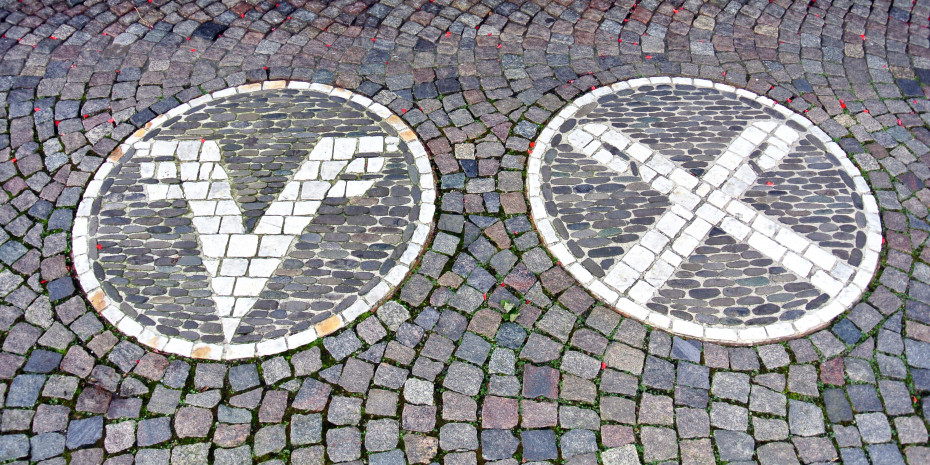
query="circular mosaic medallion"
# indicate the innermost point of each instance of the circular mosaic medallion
(708, 211)
(254, 220)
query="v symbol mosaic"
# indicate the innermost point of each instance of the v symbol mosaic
(240, 263)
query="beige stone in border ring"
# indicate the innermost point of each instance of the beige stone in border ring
(378, 293)
(699, 201)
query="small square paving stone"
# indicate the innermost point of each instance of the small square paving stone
(42, 361)
(191, 454)
(272, 407)
(499, 413)
(192, 422)
(381, 403)
(805, 419)
(176, 374)
(539, 445)
(485, 322)
(728, 416)
(77, 362)
(734, 446)
(342, 345)
(356, 375)
(510, 335)
(557, 323)
(48, 445)
(816, 449)
(16, 420)
(683, 349)
(126, 356)
(458, 436)
(86, 432)
(577, 442)
(774, 356)
(241, 455)
(873, 427)
(692, 375)
(445, 243)
(306, 362)
(242, 377)
(540, 382)
(692, 423)
(733, 386)
(658, 443)
(911, 430)
(232, 435)
(743, 359)
(270, 440)
(393, 314)
(464, 378)
(618, 409)
(420, 418)
(312, 396)
(896, 396)
(390, 376)
(24, 390)
(508, 386)
(885, 454)
(152, 366)
(126, 408)
(615, 382)
(498, 444)
(409, 335)
(777, 453)
(248, 400)
(452, 325)
(381, 435)
(275, 370)
(371, 330)
(658, 373)
(153, 431)
(13, 446)
(623, 455)
(119, 436)
(864, 398)
(344, 411)
(457, 407)
(418, 391)
(581, 365)
(473, 349)
(624, 357)
(576, 417)
(209, 375)
(164, 400)
(656, 410)
(49, 418)
(306, 429)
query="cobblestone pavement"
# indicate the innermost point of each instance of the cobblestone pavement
(490, 351)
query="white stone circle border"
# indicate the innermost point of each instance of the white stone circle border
(808, 323)
(178, 346)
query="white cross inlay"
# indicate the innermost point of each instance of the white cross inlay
(700, 204)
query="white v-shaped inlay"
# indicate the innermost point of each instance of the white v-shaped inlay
(239, 263)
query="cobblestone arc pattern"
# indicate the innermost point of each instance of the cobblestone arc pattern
(142, 259)
(593, 207)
